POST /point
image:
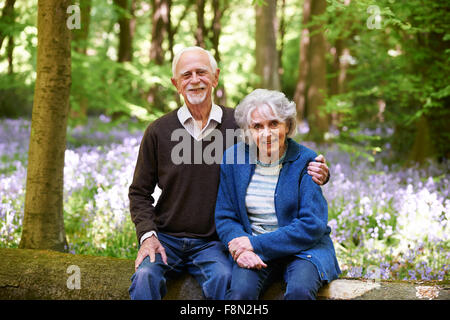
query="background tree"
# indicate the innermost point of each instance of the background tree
(80, 39)
(6, 20)
(43, 224)
(160, 31)
(161, 26)
(312, 84)
(363, 68)
(266, 53)
(127, 24)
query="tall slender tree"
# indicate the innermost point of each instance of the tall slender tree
(200, 31)
(127, 23)
(312, 84)
(219, 8)
(43, 223)
(160, 29)
(266, 52)
(80, 36)
(6, 18)
(80, 39)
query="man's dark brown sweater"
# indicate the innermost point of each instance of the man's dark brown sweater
(186, 205)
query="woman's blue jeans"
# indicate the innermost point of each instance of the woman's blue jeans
(207, 261)
(301, 277)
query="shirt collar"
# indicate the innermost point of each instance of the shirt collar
(216, 114)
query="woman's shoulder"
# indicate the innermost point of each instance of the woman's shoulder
(300, 152)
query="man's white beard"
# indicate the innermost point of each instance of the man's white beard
(196, 98)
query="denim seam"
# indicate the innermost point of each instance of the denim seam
(204, 276)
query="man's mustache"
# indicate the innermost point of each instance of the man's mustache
(192, 87)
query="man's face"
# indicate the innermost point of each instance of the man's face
(194, 78)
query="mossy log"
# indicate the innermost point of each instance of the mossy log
(38, 274)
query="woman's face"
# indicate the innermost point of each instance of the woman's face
(268, 133)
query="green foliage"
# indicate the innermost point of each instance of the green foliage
(111, 87)
(398, 66)
(403, 64)
(16, 96)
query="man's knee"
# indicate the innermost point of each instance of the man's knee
(148, 282)
(148, 270)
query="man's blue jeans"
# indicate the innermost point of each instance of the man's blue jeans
(301, 277)
(207, 261)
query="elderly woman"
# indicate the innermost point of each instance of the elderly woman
(269, 212)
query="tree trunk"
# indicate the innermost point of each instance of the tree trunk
(9, 53)
(127, 24)
(281, 35)
(80, 36)
(219, 8)
(423, 145)
(339, 67)
(36, 274)
(80, 44)
(302, 83)
(7, 18)
(266, 45)
(43, 223)
(312, 84)
(160, 29)
(200, 32)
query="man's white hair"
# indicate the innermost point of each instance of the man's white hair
(212, 60)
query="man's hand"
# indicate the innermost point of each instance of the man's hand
(150, 247)
(250, 260)
(318, 170)
(238, 246)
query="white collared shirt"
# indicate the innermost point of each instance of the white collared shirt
(194, 127)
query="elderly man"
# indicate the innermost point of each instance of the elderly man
(178, 233)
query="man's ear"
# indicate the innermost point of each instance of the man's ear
(174, 82)
(216, 78)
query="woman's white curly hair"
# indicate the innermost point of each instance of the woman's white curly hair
(265, 100)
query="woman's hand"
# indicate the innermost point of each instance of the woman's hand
(238, 245)
(250, 260)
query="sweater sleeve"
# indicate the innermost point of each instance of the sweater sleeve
(228, 223)
(303, 232)
(142, 208)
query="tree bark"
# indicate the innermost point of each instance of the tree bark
(266, 45)
(423, 145)
(7, 18)
(281, 35)
(80, 36)
(160, 29)
(219, 8)
(9, 53)
(43, 224)
(339, 66)
(80, 44)
(302, 83)
(200, 32)
(312, 85)
(127, 24)
(40, 274)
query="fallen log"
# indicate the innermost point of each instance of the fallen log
(50, 275)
